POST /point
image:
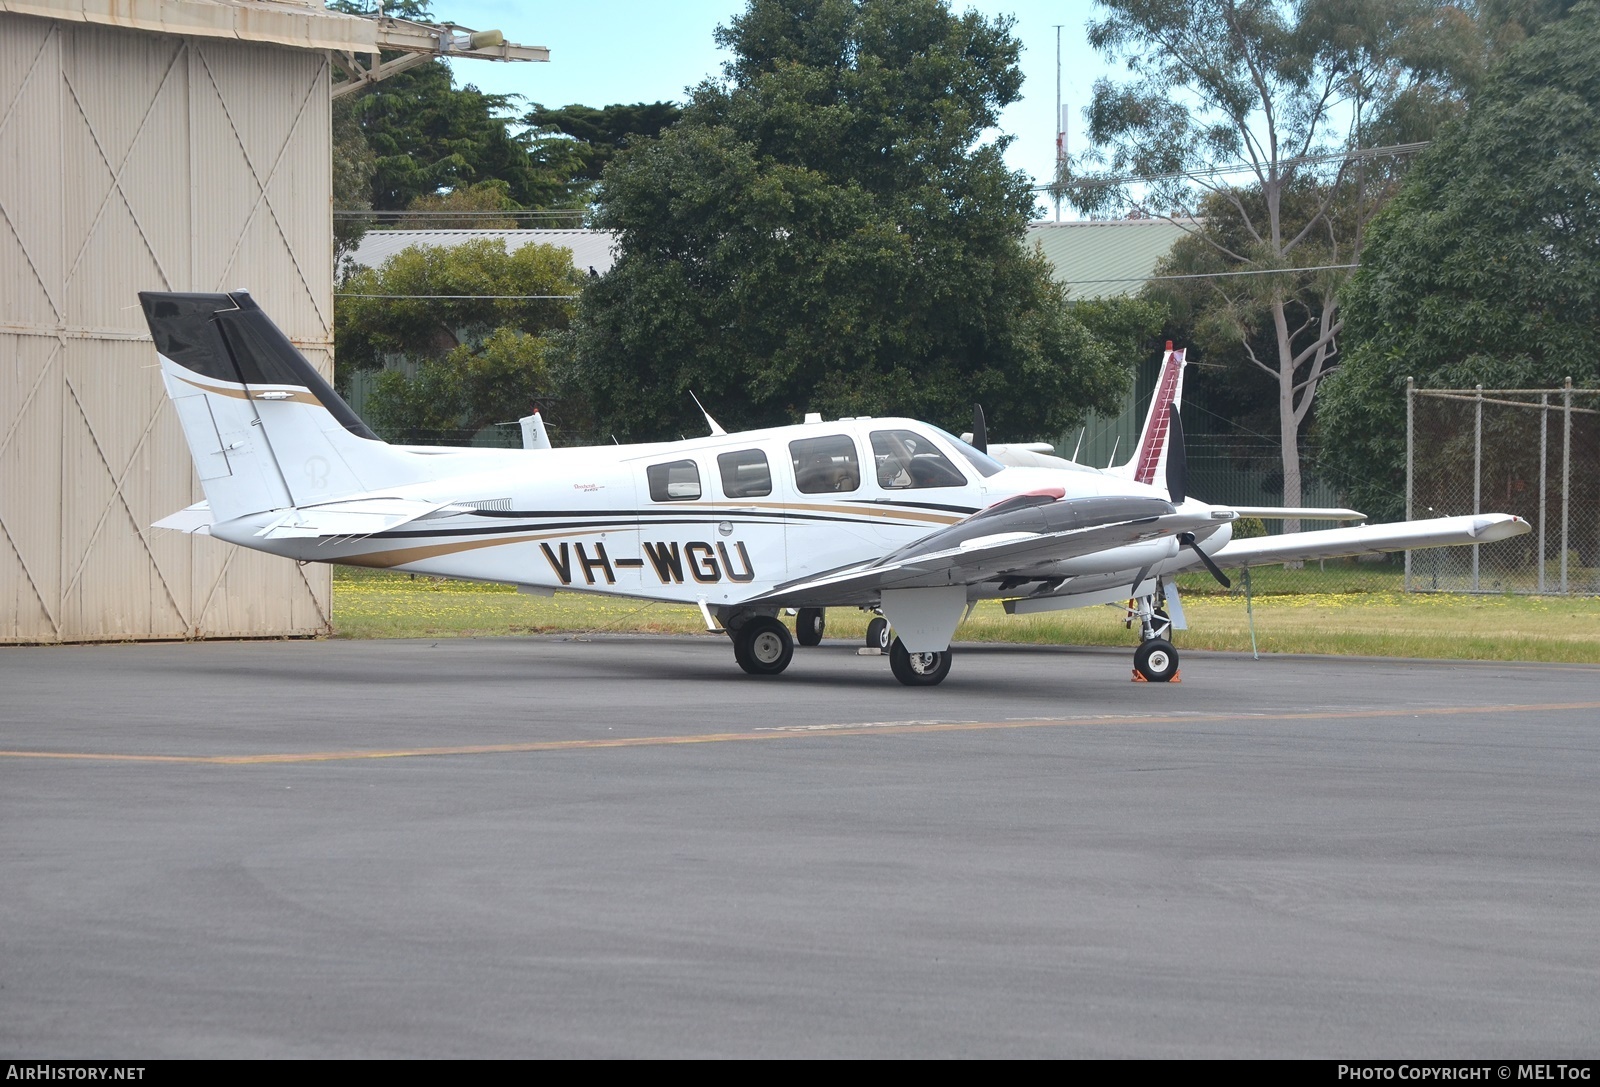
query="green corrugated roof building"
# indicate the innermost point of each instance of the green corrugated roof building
(1104, 258)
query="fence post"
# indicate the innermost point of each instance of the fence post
(1411, 391)
(1566, 474)
(1544, 487)
(1477, 476)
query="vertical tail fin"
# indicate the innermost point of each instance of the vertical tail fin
(265, 430)
(1148, 464)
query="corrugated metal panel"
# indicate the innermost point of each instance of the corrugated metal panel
(30, 178)
(590, 248)
(30, 488)
(184, 164)
(1107, 258)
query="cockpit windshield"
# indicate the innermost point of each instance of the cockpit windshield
(983, 462)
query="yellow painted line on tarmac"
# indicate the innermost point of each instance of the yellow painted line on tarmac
(783, 732)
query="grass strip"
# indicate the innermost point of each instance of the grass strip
(1383, 623)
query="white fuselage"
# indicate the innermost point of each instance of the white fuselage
(718, 520)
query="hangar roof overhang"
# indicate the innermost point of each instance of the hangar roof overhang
(300, 24)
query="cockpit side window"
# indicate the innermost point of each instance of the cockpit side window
(907, 460)
(675, 481)
(745, 474)
(822, 465)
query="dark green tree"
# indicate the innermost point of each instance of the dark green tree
(353, 167)
(829, 229)
(430, 136)
(475, 360)
(600, 133)
(1485, 268)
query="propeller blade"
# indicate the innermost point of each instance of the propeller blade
(980, 433)
(1177, 458)
(1187, 540)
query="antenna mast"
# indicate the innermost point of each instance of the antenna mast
(1061, 127)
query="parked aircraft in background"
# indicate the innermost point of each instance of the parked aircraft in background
(887, 514)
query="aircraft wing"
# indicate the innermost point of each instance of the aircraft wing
(1370, 539)
(1009, 539)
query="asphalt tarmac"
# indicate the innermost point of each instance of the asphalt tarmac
(619, 847)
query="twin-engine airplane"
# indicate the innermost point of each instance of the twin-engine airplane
(887, 514)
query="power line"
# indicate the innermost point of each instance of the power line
(1214, 275)
(467, 297)
(575, 213)
(1390, 151)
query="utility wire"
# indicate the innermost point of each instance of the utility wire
(1213, 275)
(1391, 151)
(464, 213)
(466, 297)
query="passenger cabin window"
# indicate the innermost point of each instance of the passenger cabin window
(745, 474)
(676, 481)
(906, 460)
(826, 464)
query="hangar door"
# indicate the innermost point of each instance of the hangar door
(133, 161)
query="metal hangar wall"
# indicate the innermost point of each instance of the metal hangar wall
(136, 159)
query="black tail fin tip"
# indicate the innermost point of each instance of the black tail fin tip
(227, 337)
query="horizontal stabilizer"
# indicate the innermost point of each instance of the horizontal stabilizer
(193, 519)
(1335, 543)
(356, 517)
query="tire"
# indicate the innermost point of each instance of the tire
(918, 669)
(763, 646)
(809, 624)
(1156, 660)
(878, 633)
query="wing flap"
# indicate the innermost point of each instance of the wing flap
(1305, 513)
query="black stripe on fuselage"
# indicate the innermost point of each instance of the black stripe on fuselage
(867, 507)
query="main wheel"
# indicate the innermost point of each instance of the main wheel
(763, 646)
(918, 669)
(878, 633)
(808, 626)
(1156, 660)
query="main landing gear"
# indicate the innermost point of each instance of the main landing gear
(809, 623)
(918, 669)
(1155, 661)
(762, 645)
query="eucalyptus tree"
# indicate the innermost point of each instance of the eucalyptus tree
(1245, 122)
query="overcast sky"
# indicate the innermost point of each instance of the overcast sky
(608, 51)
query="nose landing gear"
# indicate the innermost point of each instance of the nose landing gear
(1156, 660)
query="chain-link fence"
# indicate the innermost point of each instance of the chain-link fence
(1531, 452)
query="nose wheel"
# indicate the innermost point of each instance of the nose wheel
(1155, 661)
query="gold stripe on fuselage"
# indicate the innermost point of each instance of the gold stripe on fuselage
(401, 556)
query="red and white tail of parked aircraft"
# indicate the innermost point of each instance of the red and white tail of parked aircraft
(891, 515)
